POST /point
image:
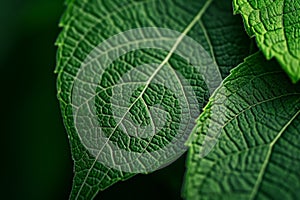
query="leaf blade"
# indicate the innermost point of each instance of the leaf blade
(259, 126)
(85, 25)
(275, 25)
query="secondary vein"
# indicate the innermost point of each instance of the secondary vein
(266, 161)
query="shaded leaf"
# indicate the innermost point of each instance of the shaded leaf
(254, 118)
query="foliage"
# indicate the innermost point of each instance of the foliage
(250, 122)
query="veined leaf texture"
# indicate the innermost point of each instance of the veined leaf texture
(276, 26)
(255, 118)
(86, 24)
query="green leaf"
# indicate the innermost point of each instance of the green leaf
(254, 118)
(86, 24)
(276, 26)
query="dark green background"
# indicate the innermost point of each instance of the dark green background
(36, 161)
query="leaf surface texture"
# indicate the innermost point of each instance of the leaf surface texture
(276, 26)
(255, 116)
(88, 23)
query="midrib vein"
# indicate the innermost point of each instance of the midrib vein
(179, 39)
(266, 161)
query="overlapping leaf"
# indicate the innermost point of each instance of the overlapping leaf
(255, 119)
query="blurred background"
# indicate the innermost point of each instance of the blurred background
(37, 161)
